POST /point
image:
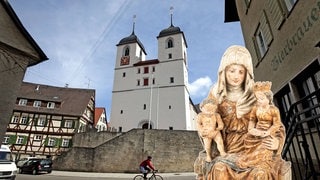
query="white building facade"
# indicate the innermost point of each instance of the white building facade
(153, 93)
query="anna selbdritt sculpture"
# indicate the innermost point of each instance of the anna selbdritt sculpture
(236, 103)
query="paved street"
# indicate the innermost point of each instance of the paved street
(65, 175)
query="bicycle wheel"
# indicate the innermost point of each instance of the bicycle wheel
(138, 177)
(156, 177)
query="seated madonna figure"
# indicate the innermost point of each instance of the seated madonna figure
(234, 92)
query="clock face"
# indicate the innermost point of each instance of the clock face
(124, 60)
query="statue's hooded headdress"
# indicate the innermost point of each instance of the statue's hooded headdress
(236, 55)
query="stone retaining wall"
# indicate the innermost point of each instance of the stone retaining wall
(172, 151)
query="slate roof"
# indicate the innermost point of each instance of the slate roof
(131, 39)
(72, 101)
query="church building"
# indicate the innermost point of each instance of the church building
(152, 94)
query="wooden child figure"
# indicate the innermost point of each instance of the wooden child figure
(209, 125)
(264, 122)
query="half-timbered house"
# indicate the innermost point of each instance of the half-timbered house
(45, 118)
(100, 119)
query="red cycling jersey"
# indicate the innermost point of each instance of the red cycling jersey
(146, 163)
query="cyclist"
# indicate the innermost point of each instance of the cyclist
(145, 167)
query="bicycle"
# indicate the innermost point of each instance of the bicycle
(154, 176)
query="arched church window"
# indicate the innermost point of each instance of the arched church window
(169, 43)
(140, 55)
(127, 51)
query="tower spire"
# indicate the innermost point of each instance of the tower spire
(171, 14)
(134, 22)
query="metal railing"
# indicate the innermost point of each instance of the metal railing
(302, 145)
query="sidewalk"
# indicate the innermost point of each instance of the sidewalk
(114, 175)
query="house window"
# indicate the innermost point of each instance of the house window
(171, 79)
(290, 4)
(146, 70)
(20, 140)
(124, 74)
(24, 120)
(146, 81)
(263, 36)
(81, 128)
(51, 142)
(170, 128)
(50, 105)
(169, 106)
(139, 71)
(138, 82)
(169, 43)
(261, 43)
(37, 104)
(144, 106)
(15, 119)
(23, 102)
(65, 142)
(121, 111)
(153, 81)
(169, 56)
(37, 137)
(153, 69)
(120, 129)
(6, 140)
(68, 123)
(41, 121)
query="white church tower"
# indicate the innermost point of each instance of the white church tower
(152, 93)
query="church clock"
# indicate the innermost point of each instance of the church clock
(124, 60)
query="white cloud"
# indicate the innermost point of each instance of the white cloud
(200, 87)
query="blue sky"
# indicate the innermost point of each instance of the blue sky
(80, 36)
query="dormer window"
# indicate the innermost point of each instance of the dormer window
(37, 104)
(50, 105)
(23, 102)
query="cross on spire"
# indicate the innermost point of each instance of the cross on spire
(134, 22)
(171, 14)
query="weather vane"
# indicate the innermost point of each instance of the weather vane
(171, 13)
(134, 22)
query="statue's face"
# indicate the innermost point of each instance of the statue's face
(209, 108)
(235, 74)
(262, 99)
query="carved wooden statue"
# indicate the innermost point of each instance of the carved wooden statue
(253, 135)
(209, 124)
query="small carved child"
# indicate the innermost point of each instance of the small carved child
(209, 124)
(264, 122)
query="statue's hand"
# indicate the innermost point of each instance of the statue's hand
(271, 143)
(256, 132)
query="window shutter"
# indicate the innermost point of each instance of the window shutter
(277, 14)
(46, 122)
(25, 139)
(46, 141)
(58, 142)
(62, 123)
(265, 28)
(70, 143)
(253, 52)
(73, 124)
(12, 139)
(35, 120)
